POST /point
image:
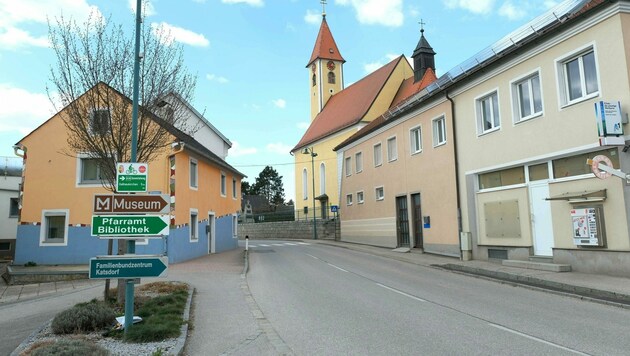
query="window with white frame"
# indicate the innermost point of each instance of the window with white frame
(194, 225)
(322, 178)
(392, 149)
(378, 155)
(304, 184)
(90, 171)
(100, 121)
(349, 199)
(234, 188)
(578, 78)
(527, 98)
(235, 226)
(415, 139)
(194, 173)
(360, 197)
(348, 162)
(54, 229)
(439, 131)
(223, 185)
(488, 113)
(379, 193)
(358, 162)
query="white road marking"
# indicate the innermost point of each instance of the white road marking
(252, 246)
(401, 293)
(290, 244)
(317, 258)
(277, 245)
(339, 268)
(536, 339)
(303, 243)
(264, 245)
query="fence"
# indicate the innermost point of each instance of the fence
(286, 213)
(11, 166)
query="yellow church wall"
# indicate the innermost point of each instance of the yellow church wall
(384, 99)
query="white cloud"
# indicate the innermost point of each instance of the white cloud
(214, 78)
(303, 125)
(280, 103)
(377, 12)
(15, 13)
(474, 6)
(256, 3)
(147, 7)
(312, 17)
(173, 33)
(371, 67)
(236, 150)
(548, 4)
(21, 110)
(279, 148)
(511, 11)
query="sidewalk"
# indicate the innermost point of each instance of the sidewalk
(606, 289)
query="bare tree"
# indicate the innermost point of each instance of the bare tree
(94, 66)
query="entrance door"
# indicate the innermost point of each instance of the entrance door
(210, 233)
(416, 214)
(542, 227)
(402, 222)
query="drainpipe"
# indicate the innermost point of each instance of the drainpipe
(459, 209)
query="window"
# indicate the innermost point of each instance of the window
(578, 77)
(322, 179)
(439, 131)
(378, 155)
(14, 207)
(348, 166)
(223, 185)
(415, 138)
(100, 121)
(538, 172)
(527, 98)
(331, 78)
(193, 173)
(314, 80)
(379, 193)
(54, 229)
(358, 162)
(360, 197)
(488, 113)
(502, 178)
(304, 184)
(194, 225)
(575, 165)
(348, 199)
(91, 172)
(5, 246)
(235, 226)
(234, 188)
(392, 149)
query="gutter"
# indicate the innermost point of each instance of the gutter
(456, 162)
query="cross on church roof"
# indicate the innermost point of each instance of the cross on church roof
(422, 23)
(323, 2)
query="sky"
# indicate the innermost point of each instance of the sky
(250, 57)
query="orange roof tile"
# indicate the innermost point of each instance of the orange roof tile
(349, 106)
(325, 46)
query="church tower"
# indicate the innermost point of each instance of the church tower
(423, 57)
(325, 69)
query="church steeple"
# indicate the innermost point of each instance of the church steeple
(325, 68)
(423, 56)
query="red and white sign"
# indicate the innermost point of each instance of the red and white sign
(595, 166)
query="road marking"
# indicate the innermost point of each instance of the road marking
(536, 339)
(303, 243)
(252, 246)
(401, 293)
(339, 268)
(290, 244)
(264, 245)
(317, 258)
(277, 245)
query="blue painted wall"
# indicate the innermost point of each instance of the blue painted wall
(225, 236)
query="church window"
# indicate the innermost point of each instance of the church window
(314, 80)
(331, 78)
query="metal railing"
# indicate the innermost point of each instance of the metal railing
(289, 214)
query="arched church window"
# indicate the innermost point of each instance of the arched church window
(331, 78)
(314, 80)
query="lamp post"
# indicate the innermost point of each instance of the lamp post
(310, 151)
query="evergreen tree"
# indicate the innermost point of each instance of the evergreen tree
(269, 184)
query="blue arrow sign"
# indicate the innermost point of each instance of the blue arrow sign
(128, 267)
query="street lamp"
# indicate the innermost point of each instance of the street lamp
(310, 151)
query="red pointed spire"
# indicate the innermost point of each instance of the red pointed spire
(325, 46)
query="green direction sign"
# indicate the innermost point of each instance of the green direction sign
(130, 225)
(131, 177)
(128, 266)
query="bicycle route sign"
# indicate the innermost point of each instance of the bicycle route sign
(131, 177)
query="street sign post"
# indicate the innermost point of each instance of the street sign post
(127, 203)
(131, 177)
(128, 266)
(130, 226)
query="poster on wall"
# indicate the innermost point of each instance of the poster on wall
(609, 123)
(585, 231)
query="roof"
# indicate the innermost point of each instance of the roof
(423, 46)
(325, 46)
(349, 106)
(407, 90)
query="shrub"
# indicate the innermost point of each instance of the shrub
(68, 347)
(84, 317)
(30, 264)
(162, 318)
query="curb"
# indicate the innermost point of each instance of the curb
(181, 340)
(26, 342)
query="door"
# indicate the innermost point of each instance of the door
(542, 227)
(402, 220)
(416, 214)
(210, 233)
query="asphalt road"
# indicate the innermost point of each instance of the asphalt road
(324, 300)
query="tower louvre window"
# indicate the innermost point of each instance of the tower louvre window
(331, 78)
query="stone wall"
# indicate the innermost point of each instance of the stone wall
(287, 230)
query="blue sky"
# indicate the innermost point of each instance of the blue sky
(250, 57)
